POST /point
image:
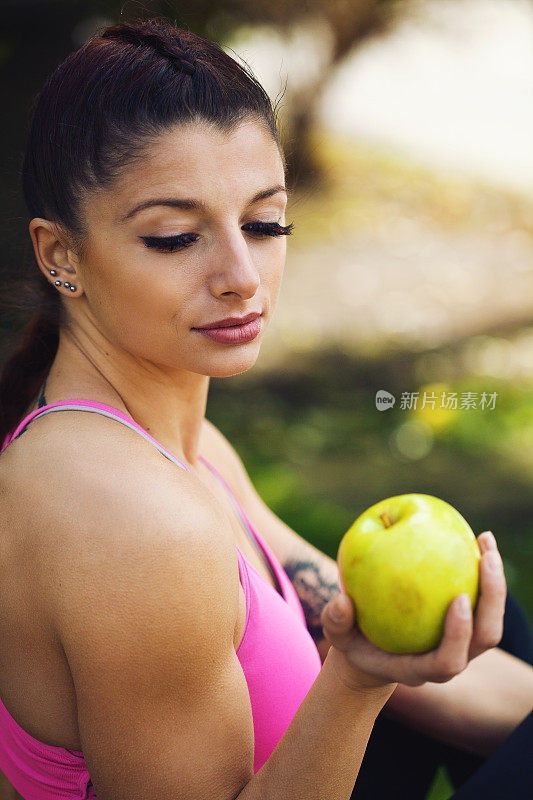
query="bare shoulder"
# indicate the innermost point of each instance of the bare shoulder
(87, 494)
(139, 577)
(76, 447)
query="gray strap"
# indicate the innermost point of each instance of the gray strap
(249, 532)
(167, 454)
(128, 424)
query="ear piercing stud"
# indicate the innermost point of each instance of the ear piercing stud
(58, 283)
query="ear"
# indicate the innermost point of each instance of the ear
(51, 250)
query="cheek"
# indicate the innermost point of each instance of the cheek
(272, 268)
(141, 308)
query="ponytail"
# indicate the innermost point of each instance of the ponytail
(33, 350)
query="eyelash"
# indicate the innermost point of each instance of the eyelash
(170, 244)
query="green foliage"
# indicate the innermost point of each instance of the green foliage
(441, 789)
(320, 453)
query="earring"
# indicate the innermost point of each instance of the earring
(66, 284)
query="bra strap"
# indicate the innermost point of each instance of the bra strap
(250, 533)
(130, 424)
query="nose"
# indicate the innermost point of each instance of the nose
(234, 271)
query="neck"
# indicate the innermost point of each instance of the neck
(170, 405)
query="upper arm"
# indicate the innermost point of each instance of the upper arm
(144, 600)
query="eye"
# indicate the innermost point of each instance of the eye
(170, 244)
(269, 228)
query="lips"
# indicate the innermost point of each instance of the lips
(229, 322)
(233, 334)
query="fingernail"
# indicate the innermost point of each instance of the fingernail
(494, 561)
(464, 605)
(489, 541)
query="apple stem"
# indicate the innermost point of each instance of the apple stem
(386, 519)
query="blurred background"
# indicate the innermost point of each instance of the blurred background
(408, 128)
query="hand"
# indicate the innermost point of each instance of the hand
(361, 664)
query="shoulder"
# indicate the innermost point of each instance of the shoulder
(77, 443)
(89, 497)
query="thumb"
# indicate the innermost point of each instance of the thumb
(337, 619)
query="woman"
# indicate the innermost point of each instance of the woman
(157, 647)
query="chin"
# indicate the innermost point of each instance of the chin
(226, 367)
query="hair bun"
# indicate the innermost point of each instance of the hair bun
(187, 66)
(148, 34)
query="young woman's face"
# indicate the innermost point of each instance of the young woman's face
(148, 301)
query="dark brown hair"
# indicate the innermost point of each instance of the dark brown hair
(95, 116)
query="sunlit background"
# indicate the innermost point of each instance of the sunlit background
(409, 132)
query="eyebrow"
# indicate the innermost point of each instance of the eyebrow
(189, 204)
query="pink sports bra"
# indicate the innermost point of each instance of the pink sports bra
(277, 654)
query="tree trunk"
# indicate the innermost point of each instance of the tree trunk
(365, 19)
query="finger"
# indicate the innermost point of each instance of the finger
(486, 541)
(451, 656)
(490, 609)
(338, 621)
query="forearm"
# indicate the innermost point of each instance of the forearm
(476, 710)
(320, 753)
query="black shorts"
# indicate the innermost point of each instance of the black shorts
(400, 763)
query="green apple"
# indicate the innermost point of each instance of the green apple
(402, 562)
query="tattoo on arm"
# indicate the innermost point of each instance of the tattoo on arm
(315, 587)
